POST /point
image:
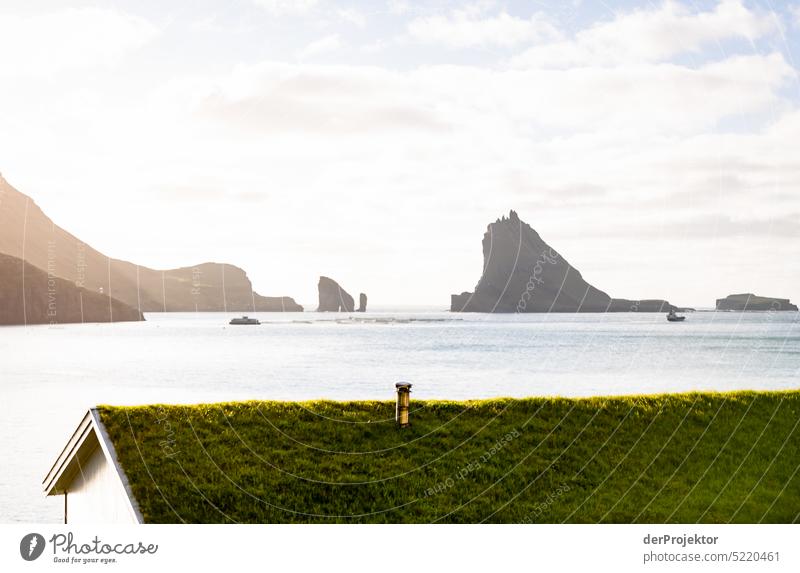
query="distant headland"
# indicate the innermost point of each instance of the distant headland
(749, 301)
(28, 233)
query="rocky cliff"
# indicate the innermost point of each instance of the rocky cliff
(522, 273)
(204, 287)
(29, 295)
(332, 297)
(362, 303)
(749, 301)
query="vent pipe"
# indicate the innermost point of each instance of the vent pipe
(401, 413)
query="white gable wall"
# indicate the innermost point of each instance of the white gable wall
(96, 495)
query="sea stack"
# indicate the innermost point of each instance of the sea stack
(333, 298)
(750, 301)
(522, 273)
(362, 302)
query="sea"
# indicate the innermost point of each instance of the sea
(50, 375)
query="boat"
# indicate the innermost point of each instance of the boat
(244, 320)
(672, 317)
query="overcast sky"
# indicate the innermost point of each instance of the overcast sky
(653, 144)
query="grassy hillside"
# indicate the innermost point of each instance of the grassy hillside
(673, 458)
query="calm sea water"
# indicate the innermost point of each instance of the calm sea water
(49, 376)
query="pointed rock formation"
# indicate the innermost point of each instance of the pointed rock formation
(522, 273)
(332, 297)
(362, 302)
(29, 295)
(749, 301)
(195, 288)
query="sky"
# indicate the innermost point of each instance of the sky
(653, 144)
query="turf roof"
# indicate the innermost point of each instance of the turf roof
(673, 458)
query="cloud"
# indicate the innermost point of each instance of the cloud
(323, 100)
(398, 6)
(634, 100)
(288, 7)
(352, 16)
(325, 12)
(466, 28)
(541, 138)
(195, 191)
(650, 35)
(720, 226)
(46, 44)
(325, 45)
(662, 99)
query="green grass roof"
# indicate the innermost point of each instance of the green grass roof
(673, 458)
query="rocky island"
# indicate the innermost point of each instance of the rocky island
(749, 301)
(333, 298)
(203, 287)
(29, 295)
(522, 273)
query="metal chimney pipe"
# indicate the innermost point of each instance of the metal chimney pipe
(401, 413)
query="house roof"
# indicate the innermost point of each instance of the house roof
(540, 459)
(85, 440)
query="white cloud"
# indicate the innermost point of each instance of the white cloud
(207, 24)
(325, 45)
(352, 16)
(651, 35)
(471, 27)
(534, 130)
(288, 7)
(398, 6)
(313, 8)
(628, 101)
(45, 44)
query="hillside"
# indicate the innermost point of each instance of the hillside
(671, 458)
(51, 300)
(27, 232)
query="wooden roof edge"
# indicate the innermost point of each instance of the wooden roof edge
(90, 424)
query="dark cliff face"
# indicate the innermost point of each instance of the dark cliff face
(333, 298)
(749, 301)
(29, 295)
(522, 273)
(195, 288)
(362, 303)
